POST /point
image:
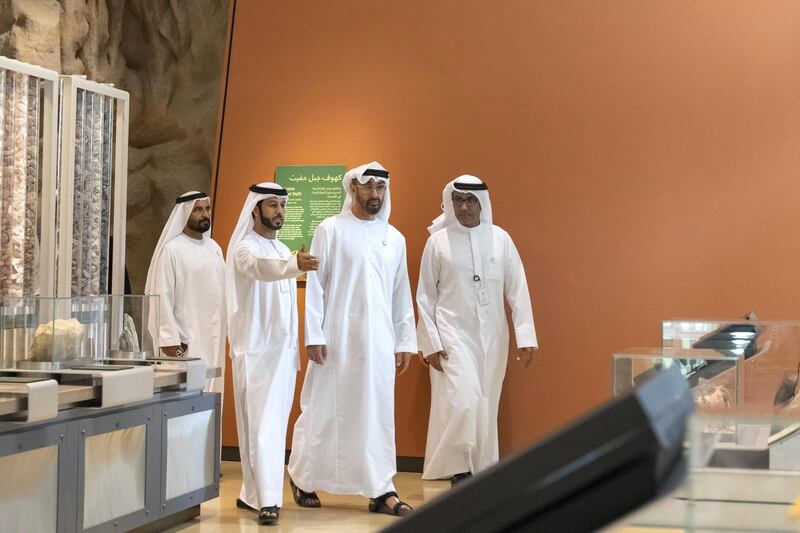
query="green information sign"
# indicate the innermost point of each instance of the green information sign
(315, 193)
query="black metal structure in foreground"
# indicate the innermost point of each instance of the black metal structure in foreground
(581, 478)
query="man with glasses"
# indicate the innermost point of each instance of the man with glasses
(359, 334)
(468, 267)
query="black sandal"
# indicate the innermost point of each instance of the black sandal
(264, 516)
(378, 505)
(458, 478)
(241, 505)
(302, 497)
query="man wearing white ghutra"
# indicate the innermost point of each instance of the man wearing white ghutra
(262, 311)
(187, 272)
(359, 334)
(468, 267)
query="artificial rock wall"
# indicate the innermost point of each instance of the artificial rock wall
(169, 55)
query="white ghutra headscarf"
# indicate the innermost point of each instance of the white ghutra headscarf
(363, 174)
(468, 184)
(244, 227)
(176, 223)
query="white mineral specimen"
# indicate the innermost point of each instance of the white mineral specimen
(58, 340)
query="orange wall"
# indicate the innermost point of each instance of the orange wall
(643, 156)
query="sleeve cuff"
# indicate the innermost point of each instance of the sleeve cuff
(409, 348)
(428, 345)
(526, 337)
(170, 342)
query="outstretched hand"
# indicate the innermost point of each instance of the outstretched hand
(306, 261)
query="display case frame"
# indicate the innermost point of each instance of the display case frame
(48, 168)
(69, 97)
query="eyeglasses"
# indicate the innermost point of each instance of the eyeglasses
(380, 187)
(470, 200)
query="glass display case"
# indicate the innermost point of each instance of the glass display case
(744, 476)
(727, 362)
(744, 443)
(769, 352)
(712, 376)
(38, 332)
(132, 339)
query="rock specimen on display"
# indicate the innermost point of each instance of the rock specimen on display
(708, 395)
(129, 340)
(787, 390)
(64, 338)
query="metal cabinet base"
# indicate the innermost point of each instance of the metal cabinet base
(115, 469)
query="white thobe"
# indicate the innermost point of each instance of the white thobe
(264, 350)
(190, 282)
(466, 318)
(358, 304)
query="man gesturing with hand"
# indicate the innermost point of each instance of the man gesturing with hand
(262, 312)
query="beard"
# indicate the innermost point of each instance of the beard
(201, 226)
(372, 207)
(274, 224)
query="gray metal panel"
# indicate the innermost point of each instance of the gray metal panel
(35, 438)
(105, 424)
(72, 427)
(206, 402)
(153, 479)
(31, 440)
(68, 480)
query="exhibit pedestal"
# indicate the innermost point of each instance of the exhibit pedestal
(115, 469)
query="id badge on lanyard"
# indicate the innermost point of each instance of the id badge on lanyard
(477, 267)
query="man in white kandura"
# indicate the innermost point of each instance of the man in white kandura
(187, 271)
(262, 306)
(359, 334)
(468, 266)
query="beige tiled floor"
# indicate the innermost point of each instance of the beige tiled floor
(339, 513)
